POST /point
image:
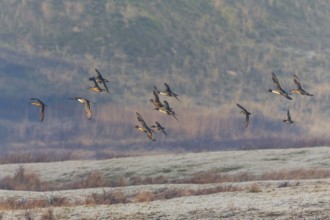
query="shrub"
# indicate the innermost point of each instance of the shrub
(23, 180)
(48, 215)
(35, 157)
(106, 198)
(92, 180)
(144, 197)
(254, 188)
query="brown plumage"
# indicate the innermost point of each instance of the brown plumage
(166, 109)
(159, 127)
(300, 90)
(279, 90)
(96, 88)
(86, 104)
(102, 80)
(156, 102)
(39, 103)
(144, 127)
(167, 92)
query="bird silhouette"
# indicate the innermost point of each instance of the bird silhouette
(246, 113)
(144, 127)
(86, 104)
(39, 103)
(279, 90)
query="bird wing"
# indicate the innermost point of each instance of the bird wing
(174, 115)
(241, 107)
(167, 88)
(166, 105)
(158, 125)
(156, 96)
(247, 120)
(289, 117)
(176, 96)
(35, 99)
(98, 73)
(169, 91)
(94, 80)
(141, 120)
(42, 112)
(157, 91)
(163, 130)
(149, 134)
(286, 95)
(276, 82)
(88, 109)
(105, 85)
(296, 80)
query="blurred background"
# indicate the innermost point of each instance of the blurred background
(214, 54)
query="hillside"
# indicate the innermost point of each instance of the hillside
(257, 184)
(212, 53)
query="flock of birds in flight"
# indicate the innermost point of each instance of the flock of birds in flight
(280, 91)
(98, 80)
(164, 106)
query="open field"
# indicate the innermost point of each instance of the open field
(264, 184)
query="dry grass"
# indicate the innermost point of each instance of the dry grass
(13, 204)
(107, 198)
(23, 180)
(148, 196)
(92, 180)
(295, 174)
(144, 197)
(48, 215)
(28, 180)
(35, 157)
(51, 156)
(254, 188)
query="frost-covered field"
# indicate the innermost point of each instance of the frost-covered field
(269, 199)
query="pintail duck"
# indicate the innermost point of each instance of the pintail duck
(166, 109)
(39, 103)
(167, 92)
(96, 88)
(159, 127)
(288, 120)
(87, 105)
(299, 90)
(246, 113)
(144, 127)
(157, 103)
(279, 90)
(99, 78)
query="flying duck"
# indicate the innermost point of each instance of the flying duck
(159, 127)
(156, 102)
(144, 127)
(299, 90)
(279, 90)
(167, 92)
(166, 109)
(96, 88)
(39, 103)
(87, 106)
(99, 78)
(246, 113)
(288, 120)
